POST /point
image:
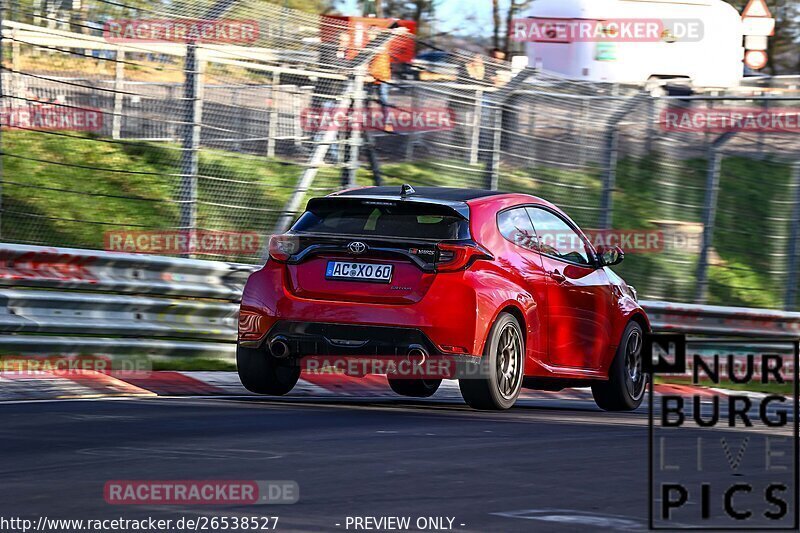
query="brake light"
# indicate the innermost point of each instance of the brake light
(282, 247)
(453, 349)
(454, 257)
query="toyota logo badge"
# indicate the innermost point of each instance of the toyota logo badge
(357, 247)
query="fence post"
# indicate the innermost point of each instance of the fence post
(2, 105)
(611, 156)
(584, 131)
(296, 110)
(193, 70)
(240, 121)
(794, 236)
(476, 127)
(709, 214)
(651, 115)
(497, 101)
(532, 150)
(119, 80)
(411, 138)
(273, 115)
(609, 177)
(171, 125)
(494, 163)
(16, 77)
(355, 138)
(193, 110)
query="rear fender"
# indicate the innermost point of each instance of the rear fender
(495, 294)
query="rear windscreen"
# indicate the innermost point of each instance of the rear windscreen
(417, 221)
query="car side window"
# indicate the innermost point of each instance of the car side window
(556, 238)
(515, 225)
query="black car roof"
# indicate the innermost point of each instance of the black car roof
(447, 194)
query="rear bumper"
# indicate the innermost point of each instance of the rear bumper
(320, 338)
(445, 321)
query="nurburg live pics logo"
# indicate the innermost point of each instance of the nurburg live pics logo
(723, 459)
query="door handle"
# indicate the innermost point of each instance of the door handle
(558, 276)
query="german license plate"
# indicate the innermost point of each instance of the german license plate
(359, 271)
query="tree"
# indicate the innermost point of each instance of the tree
(515, 8)
(373, 7)
(309, 6)
(420, 11)
(496, 23)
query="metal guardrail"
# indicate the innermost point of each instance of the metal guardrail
(722, 321)
(70, 301)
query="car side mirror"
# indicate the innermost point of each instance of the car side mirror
(610, 255)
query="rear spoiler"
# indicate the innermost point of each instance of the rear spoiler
(422, 205)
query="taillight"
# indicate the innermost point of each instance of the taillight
(282, 247)
(454, 257)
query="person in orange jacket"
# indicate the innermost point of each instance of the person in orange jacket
(380, 75)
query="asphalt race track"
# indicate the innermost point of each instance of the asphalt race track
(554, 466)
(350, 459)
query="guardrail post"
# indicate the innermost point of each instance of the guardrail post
(193, 110)
(119, 80)
(794, 237)
(710, 214)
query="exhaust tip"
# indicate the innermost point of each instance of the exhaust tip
(417, 355)
(279, 347)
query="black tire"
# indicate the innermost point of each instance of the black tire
(500, 361)
(415, 388)
(261, 373)
(627, 383)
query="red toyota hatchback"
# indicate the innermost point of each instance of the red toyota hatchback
(506, 281)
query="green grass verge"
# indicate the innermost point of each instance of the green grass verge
(189, 363)
(69, 189)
